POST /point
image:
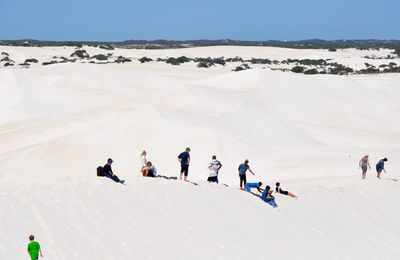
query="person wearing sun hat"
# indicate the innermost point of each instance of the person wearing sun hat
(184, 159)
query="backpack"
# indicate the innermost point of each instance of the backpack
(100, 171)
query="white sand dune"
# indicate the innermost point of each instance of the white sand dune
(59, 122)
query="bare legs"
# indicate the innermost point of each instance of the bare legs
(364, 174)
(292, 195)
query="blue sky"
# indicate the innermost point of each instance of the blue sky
(107, 20)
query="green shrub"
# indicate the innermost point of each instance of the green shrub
(311, 71)
(238, 68)
(211, 61)
(259, 61)
(177, 61)
(145, 59)
(332, 49)
(298, 69)
(106, 47)
(49, 62)
(100, 57)
(204, 65)
(236, 59)
(122, 59)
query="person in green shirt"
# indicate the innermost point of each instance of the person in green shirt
(34, 248)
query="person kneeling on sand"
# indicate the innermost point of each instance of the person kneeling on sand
(109, 173)
(256, 185)
(380, 166)
(150, 170)
(279, 190)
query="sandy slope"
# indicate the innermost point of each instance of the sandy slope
(59, 122)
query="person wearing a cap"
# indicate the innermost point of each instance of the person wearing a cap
(184, 159)
(213, 168)
(109, 173)
(242, 173)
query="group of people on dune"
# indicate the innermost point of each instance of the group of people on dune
(364, 165)
(149, 170)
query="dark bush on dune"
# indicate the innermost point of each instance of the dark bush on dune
(106, 47)
(308, 61)
(297, 69)
(339, 69)
(204, 65)
(80, 54)
(332, 49)
(370, 70)
(397, 51)
(236, 59)
(211, 61)
(49, 62)
(392, 70)
(178, 61)
(161, 60)
(31, 61)
(8, 64)
(145, 59)
(122, 59)
(5, 53)
(7, 59)
(311, 72)
(259, 61)
(100, 57)
(238, 68)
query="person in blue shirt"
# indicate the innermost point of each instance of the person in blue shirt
(267, 197)
(109, 173)
(242, 173)
(184, 159)
(381, 166)
(254, 185)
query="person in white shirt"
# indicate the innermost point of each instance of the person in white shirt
(143, 161)
(150, 170)
(213, 169)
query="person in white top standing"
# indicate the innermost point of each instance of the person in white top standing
(213, 169)
(143, 161)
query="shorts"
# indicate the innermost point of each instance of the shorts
(379, 169)
(212, 179)
(364, 168)
(284, 192)
(151, 174)
(185, 169)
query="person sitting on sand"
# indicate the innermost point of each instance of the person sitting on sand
(279, 190)
(109, 173)
(271, 199)
(143, 161)
(265, 193)
(363, 163)
(381, 166)
(256, 185)
(213, 169)
(149, 170)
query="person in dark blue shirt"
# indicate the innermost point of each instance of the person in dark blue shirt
(284, 192)
(242, 173)
(381, 166)
(109, 173)
(184, 159)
